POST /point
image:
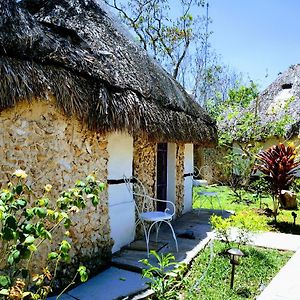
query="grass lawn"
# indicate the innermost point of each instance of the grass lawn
(228, 202)
(256, 269)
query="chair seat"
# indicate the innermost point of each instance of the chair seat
(155, 216)
(200, 182)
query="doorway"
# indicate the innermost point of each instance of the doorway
(162, 174)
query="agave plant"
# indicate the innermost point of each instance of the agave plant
(279, 164)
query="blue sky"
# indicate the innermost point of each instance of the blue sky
(254, 36)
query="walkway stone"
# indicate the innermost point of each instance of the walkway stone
(276, 240)
(111, 284)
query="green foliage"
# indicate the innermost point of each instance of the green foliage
(166, 275)
(279, 166)
(260, 187)
(237, 166)
(236, 123)
(284, 219)
(241, 224)
(26, 222)
(258, 266)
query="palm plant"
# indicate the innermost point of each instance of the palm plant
(279, 164)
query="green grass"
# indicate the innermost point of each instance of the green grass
(257, 268)
(228, 202)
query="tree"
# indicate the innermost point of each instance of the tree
(167, 38)
(177, 37)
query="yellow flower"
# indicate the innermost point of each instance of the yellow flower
(20, 174)
(48, 187)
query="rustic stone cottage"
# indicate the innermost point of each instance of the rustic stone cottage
(276, 114)
(77, 95)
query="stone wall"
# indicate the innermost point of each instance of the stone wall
(144, 163)
(179, 204)
(58, 150)
(212, 158)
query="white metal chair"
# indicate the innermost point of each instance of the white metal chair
(196, 181)
(146, 210)
(207, 173)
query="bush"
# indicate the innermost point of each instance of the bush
(26, 222)
(238, 227)
(279, 164)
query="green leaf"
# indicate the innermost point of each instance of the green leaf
(29, 228)
(52, 255)
(67, 223)
(65, 257)
(43, 202)
(21, 203)
(48, 235)
(29, 214)
(25, 253)
(11, 222)
(101, 186)
(8, 234)
(83, 273)
(65, 246)
(19, 189)
(29, 240)
(6, 196)
(40, 212)
(4, 292)
(4, 281)
(32, 248)
(14, 257)
(95, 200)
(79, 183)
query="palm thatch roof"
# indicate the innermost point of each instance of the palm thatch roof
(76, 51)
(282, 99)
(276, 111)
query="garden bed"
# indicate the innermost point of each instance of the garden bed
(257, 268)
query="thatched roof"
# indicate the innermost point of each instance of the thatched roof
(76, 51)
(282, 98)
(277, 106)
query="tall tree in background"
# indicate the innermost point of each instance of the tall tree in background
(167, 38)
(178, 37)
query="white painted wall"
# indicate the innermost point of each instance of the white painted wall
(188, 181)
(171, 169)
(120, 201)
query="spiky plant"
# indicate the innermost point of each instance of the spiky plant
(279, 164)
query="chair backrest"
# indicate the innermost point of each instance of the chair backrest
(205, 172)
(139, 192)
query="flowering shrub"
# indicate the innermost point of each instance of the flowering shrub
(26, 222)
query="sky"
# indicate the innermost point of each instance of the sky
(257, 37)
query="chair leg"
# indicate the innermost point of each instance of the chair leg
(157, 230)
(146, 237)
(173, 232)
